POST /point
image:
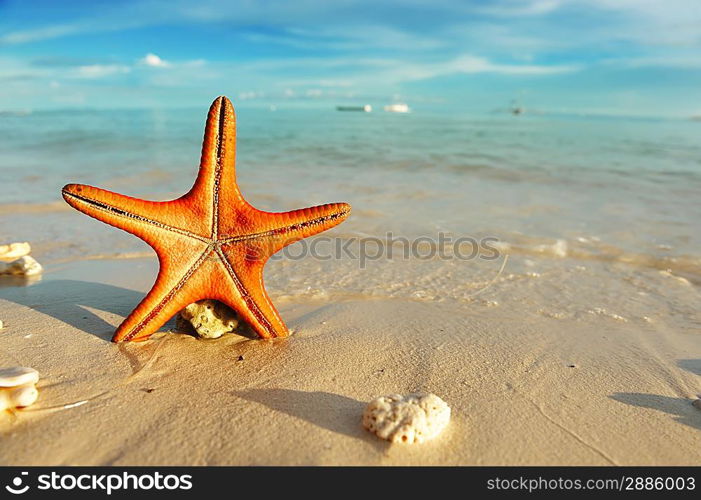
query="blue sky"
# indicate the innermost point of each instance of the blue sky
(638, 57)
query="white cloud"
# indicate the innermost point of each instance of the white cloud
(521, 7)
(153, 61)
(341, 37)
(100, 24)
(250, 94)
(100, 70)
(677, 62)
(328, 83)
(652, 22)
(38, 34)
(467, 64)
(471, 64)
(195, 63)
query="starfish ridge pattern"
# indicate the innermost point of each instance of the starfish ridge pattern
(211, 243)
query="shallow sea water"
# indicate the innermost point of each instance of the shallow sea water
(569, 199)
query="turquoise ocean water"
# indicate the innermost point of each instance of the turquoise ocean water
(593, 188)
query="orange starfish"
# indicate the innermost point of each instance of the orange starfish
(211, 244)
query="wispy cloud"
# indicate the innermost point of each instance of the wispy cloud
(323, 82)
(39, 34)
(410, 27)
(690, 61)
(471, 64)
(54, 61)
(99, 70)
(373, 36)
(250, 94)
(520, 7)
(316, 49)
(87, 26)
(464, 64)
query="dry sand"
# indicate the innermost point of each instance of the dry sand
(522, 390)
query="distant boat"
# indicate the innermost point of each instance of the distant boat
(516, 109)
(366, 109)
(397, 108)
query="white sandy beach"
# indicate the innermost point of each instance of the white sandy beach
(525, 387)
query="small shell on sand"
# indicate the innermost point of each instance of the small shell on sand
(210, 318)
(19, 397)
(24, 266)
(18, 375)
(17, 388)
(413, 418)
(13, 251)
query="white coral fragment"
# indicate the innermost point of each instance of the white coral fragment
(17, 387)
(210, 319)
(413, 418)
(24, 266)
(13, 251)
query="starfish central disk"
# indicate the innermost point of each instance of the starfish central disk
(211, 243)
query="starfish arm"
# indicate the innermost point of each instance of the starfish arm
(139, 217)
(284, 228)
(306, 222)
(216, 179)
(247, 294)
(174, 289)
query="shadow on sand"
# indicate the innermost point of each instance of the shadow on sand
(339, 414)
(71, 301)
(682, 408)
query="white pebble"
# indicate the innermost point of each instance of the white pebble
(413, 418)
